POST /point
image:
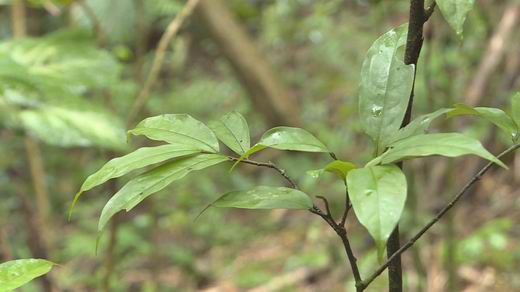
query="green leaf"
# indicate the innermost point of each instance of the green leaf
(445, 144)
(232, 130)
(286, 138)
(154, 180)
(455, 12)
(493, 115)
(178, 129)
(386, 83)
(378, 195)
(66, 127)
(14, 274)
(264, 197)
(515, 109)
(138, 159)
(338, 167)
(416, 127)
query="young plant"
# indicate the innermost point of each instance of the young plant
(376, 191)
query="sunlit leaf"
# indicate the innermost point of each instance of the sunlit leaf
(178, 129)
(338, 167)
(286, 138)
(138, 159)
(232, 130)
(264, 197)
(455, 12)
(378, 196)
(445, 144)
(386, 83)
(154, 180)
(493, 115)
(14, 274)
(418, 126)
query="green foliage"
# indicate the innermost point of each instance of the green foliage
(41, 84)
(264, 197)
(386, 83)
(179, 129)
(445, 144)
(14, 274)
(378, 194)
(455, 12)
(286, 138)
(137, 189)
(338, 167)
(232, 130)
(515, 109)
(493, 115)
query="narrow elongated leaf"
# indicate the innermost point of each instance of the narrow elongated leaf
(264, 197)
(515, 109)
(153, 181)
(386, 83)
(493, 115)
(445, 144)
(178, 129)
(418, 126)
(14, 274)
(232, 130)
(455, 12)
(138, 159)
(286, 138)
(378, 195)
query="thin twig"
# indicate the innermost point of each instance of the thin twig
(429, 11)
(437, 217)
(347, 208)
(268, 165)
(326, 203)
(160, 52)
(94, 20)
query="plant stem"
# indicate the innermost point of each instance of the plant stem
(437, 217)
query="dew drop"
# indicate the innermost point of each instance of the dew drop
(377, 110)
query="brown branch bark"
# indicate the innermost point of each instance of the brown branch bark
(268, 94)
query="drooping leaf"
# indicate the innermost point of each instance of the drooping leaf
(265, 197)
(154, 180)
(178, 129)
(455, 12)
(14, 274)
(386, 83)
(286, 138)
(418, 126)
(232, 130)
(338, 167)
(445, 144)
(493, 115)
(138, 159)
(515, 109)
(65, 127)
(378, 196)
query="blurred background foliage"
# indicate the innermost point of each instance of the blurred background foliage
(67, 86)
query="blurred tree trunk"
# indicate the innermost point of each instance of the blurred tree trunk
(268, 94)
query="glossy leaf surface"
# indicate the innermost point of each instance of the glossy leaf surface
(14, 274)
(455, 12)
(232, 130)
(264, 197)
(493, 115)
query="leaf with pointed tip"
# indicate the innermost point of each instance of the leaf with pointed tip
(418, 126)
(455, 12)
(14, 274)
(378, 195)
(493, 115)
(138, 159)
(232, 130)
(445, 144)
(515, 109)
(286, 138)
(386, 83)
(178, 129)
(154, 180)
(265, 197)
